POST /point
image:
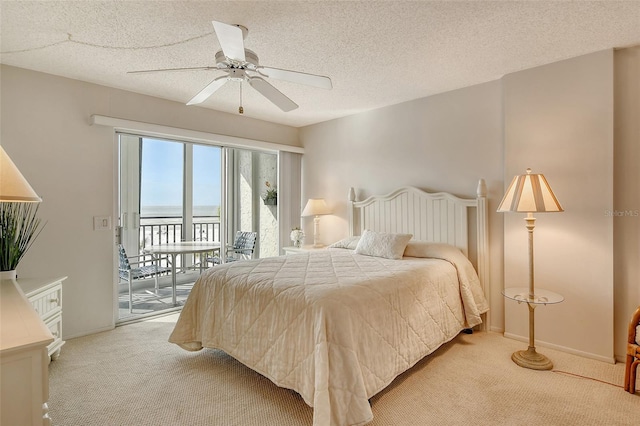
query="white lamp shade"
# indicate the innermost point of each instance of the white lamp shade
(529, 193)
(315, 207)
(13, 186)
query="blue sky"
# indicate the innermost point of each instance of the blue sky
(161, 177)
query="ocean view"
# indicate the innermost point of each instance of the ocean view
(147, 212)
(163, 224)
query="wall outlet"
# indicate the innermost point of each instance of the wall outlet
(101, 223)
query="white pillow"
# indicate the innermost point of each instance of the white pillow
(346, 243)
(382, 244)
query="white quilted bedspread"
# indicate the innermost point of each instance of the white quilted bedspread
(334, 326)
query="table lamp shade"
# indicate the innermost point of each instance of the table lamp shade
(13, 186)
(529, 193)
(315, 207)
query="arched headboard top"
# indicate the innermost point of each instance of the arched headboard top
(438, 217)
(415, 191)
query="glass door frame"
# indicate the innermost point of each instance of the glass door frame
(229, 195)
(129, 152)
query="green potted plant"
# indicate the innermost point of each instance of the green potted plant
(270, 197)
(19, 227)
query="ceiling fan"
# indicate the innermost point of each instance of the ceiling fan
(241, 64)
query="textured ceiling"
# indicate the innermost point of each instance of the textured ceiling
(376, 53)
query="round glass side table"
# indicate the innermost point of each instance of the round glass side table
(540, 297)
(530, 358)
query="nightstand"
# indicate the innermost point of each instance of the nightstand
(45, 295)
(292, 249)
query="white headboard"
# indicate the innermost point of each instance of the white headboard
(438, 217)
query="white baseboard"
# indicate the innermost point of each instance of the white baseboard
(610, 360)
(87, 333)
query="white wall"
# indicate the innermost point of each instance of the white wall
(71, 164)
(441, 143)
(559, 122)
(626, 194)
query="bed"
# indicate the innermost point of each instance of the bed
(338, 325)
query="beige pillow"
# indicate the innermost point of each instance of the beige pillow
(430, 249)
(382, 244)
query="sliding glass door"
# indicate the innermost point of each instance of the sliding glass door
(172, 191)
(163, 211)
(169, 192)
(206, 195)
(251, 175)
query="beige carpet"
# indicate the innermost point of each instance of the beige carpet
(132, 376)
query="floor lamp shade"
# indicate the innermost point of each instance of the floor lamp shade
(530, 193)
(13, 186)
(316, 207)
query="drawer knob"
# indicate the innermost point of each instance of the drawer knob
(56, 300)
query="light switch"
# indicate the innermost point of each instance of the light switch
(101, 223)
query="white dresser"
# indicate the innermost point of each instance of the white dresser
(45, 295)
(24, 374)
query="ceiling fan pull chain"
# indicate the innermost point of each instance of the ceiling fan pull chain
(240, 109)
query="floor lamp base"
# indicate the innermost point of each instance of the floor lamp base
(532, 359)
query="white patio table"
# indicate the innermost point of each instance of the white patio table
(175, 249)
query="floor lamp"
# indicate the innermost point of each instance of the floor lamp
(530, 193)
(316, 207)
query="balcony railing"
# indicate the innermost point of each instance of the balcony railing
(168, 230)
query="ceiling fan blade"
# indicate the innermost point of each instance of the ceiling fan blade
(273, 94)
(174, 69)
(208, 90)
(297, 77)
(231, 40)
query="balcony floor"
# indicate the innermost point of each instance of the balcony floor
(147, 303)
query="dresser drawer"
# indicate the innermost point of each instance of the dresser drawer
(48, 303)
(45, 295)
(55, 326)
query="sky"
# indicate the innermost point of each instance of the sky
(161, 177)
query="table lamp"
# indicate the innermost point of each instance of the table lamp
(530, 193)
(13, 186)
(316, 207)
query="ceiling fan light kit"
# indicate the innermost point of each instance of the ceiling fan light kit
(241, 64)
